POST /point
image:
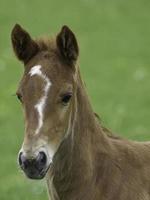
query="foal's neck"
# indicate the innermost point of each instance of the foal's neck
(88, 128)
(88, 138)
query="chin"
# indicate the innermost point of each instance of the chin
(35, 176)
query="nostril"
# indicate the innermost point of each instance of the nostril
(42, 158)
(23, 161)
(20, 158)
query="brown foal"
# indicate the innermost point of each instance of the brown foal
(64, 141)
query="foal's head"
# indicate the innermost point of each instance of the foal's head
(47, 92)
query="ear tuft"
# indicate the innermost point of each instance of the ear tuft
(23, 45)
(67, 45)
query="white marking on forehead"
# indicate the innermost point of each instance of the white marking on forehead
(36, 70)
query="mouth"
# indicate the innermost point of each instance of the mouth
(35, 174)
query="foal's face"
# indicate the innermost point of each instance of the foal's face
(46, 92)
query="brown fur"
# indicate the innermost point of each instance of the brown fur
(90, 163)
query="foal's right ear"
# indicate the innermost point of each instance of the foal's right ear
(24, 46)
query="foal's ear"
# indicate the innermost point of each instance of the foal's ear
(23, 45)
(67, 45)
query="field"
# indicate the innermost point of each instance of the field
(114, 39)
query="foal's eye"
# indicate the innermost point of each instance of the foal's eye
(19, 96)
(66, 98)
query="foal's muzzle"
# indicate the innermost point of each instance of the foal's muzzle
(34, 168)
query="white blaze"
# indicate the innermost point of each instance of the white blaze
(36, 70)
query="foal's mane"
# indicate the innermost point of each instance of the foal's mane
(106, 130)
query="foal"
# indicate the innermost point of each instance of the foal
(64, 140)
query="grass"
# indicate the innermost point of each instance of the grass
(114, 38)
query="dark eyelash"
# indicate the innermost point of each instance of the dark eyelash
(19, 96)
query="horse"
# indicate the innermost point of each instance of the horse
(64, 141)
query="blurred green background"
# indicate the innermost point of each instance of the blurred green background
(114, 39)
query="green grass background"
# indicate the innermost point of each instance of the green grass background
(114, 39)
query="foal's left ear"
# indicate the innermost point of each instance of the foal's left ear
(24, 46)
(67, 45)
